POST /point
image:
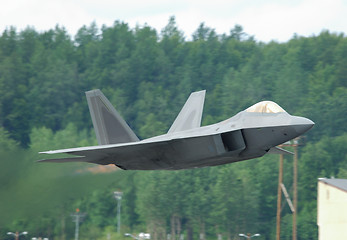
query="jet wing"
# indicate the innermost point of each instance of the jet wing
(117, 154)
(175, 153)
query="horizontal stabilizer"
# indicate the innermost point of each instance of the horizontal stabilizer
(64, 160)
(191, 113)
(109, 126)
(278, 150)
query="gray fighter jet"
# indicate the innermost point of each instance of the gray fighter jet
(249, 134)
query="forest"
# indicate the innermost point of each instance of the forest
(148, 75)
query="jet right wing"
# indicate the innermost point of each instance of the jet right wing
(191, 113)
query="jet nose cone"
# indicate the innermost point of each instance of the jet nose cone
(301, 124)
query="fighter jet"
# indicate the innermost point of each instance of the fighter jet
(251, 133)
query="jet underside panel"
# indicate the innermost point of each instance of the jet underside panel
(262, 139)
(183, 153)
(173, 154)
(250, 143)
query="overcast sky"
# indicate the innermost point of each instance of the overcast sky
(266, 20)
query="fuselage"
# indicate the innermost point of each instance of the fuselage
(244, 136)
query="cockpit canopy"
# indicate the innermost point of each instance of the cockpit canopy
(265, 107)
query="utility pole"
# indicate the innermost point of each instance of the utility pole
(279, 198)
(77, 218)
(293, 207)
(295, 182)
(118, 197)
(17, 234)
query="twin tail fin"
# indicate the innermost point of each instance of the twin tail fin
(109, 126)
(191, 113)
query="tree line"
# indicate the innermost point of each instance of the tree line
(148, 76)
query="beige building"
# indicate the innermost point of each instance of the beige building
(332, 208)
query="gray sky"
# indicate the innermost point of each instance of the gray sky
(266, 20)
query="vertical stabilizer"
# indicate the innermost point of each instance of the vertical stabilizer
(109, 126)
(191, 113)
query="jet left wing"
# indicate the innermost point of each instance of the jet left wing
(176, 153)
(117, 154)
